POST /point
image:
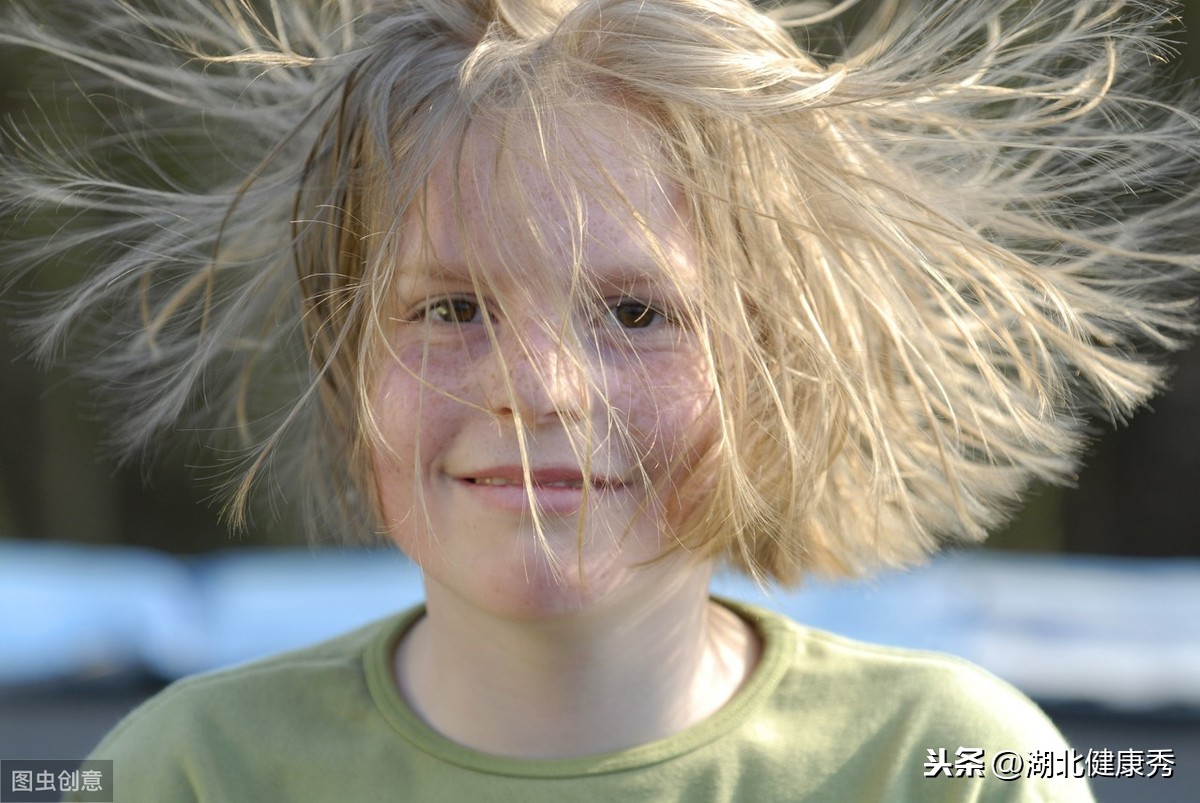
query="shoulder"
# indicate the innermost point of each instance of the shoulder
(941, 696)
(226, 726)
(936, 693)
(893, 715)
(249, 687)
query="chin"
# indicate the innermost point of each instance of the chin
(533, 590)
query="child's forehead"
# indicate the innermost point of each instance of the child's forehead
(522, 195)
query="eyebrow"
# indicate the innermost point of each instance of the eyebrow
(614, 275)
(436, 269)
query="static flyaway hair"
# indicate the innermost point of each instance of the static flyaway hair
(929, 253)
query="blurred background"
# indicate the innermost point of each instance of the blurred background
(117, 579)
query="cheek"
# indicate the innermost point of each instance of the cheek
(393, 454)
(394, 402)
(669, 408)
(416, 390)
(413, 415)
(672, 416)
(400, 466)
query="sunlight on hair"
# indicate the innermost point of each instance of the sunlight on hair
(923, 259)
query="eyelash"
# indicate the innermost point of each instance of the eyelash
(626, 313)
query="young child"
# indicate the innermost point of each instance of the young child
(574, 301)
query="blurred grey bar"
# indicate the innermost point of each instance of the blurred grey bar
(1121, 633)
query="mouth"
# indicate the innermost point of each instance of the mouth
(577, 483)
(551, 490)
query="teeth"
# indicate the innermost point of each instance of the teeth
(498, 481)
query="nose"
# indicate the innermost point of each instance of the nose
(538, 375)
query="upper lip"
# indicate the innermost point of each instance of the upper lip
(515, 475)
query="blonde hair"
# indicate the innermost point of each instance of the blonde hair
(928, 257)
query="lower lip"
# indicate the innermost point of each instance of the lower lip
(549, 499)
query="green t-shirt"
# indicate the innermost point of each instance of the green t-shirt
(822, 718)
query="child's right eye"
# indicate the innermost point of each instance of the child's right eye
(449, 310)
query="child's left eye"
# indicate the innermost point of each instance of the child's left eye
(635, 314)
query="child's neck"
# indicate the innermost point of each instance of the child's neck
(603, 681)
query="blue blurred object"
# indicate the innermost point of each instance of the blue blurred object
(69, 611)
(1117, 632)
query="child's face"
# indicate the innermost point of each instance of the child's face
(627, 382)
